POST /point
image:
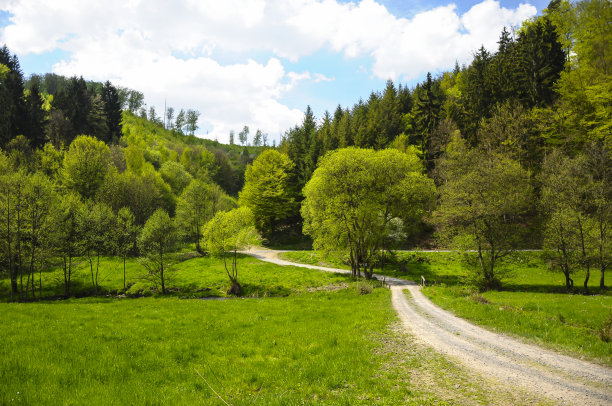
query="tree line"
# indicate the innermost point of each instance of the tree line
(512, 151)
(517, 143)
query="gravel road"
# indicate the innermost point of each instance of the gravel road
(562, 379)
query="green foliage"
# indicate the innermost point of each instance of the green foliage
(175, 175)
(157, 239)
(229, 232)
(268, 191)
(85, 166)
(354, 196)
(197, 204)
(483, 199)
(96, 226)
(125, 234)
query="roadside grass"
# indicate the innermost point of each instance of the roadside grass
(323, 347)
(533, 303)
(569, 323)
(189, 276)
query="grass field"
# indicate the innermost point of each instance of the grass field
(323, 343)
(195, 277)
(310, 348)
(533, 303)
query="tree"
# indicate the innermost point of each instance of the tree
(268, 191)
(170, 118)
(35, 117)
(258, 138)
(126, 233)
(135, 101)
(243, 135)
(180, 121)
(227, 233)
(175, 175)
(66, 235)
(12, 103)
(599, 167)
(355, 196)
(483, 200)
(231, 137)
(85, 165)
(157, 239)
(192, 121)
(39, 203)
(196, 205)
(112, 112)
(96, 227)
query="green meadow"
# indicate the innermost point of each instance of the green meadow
(321, 339)
(533, 303)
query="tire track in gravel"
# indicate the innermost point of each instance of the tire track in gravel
(558, 377)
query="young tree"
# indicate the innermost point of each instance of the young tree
(180, 121)
(170, 118)
(157, 239)
(39, 201)
(196, 205)
(483, 200)
(192, 121)
(243, 135)
(268, 191)
(258, 138)
(356, 195)
(126, 233)
(96, 225)
(66, 237)
(227, 233)
(135, 101)
(231, 137)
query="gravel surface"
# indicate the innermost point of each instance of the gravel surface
(560, 378)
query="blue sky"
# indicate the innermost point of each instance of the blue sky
(253, 62)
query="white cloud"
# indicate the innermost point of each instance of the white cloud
(173, 50)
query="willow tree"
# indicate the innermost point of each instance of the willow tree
(356, 198)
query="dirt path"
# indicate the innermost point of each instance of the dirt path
(560, 378)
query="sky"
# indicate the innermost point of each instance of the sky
(253, 62)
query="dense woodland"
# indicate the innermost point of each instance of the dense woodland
(512, 151)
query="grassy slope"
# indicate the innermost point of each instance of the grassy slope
(532, 305)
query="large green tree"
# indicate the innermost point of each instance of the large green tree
(269, 192)
(356, 197)
(86, 164)
(484, 198)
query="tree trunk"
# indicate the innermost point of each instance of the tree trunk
(161, 261)
(602, 265)
(93, 283)
(97, 271)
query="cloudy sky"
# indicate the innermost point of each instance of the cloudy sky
(254, 62)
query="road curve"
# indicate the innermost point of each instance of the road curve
(560, 378)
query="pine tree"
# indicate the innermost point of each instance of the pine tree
(36, 118)
(12, 102)
(112, 111)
